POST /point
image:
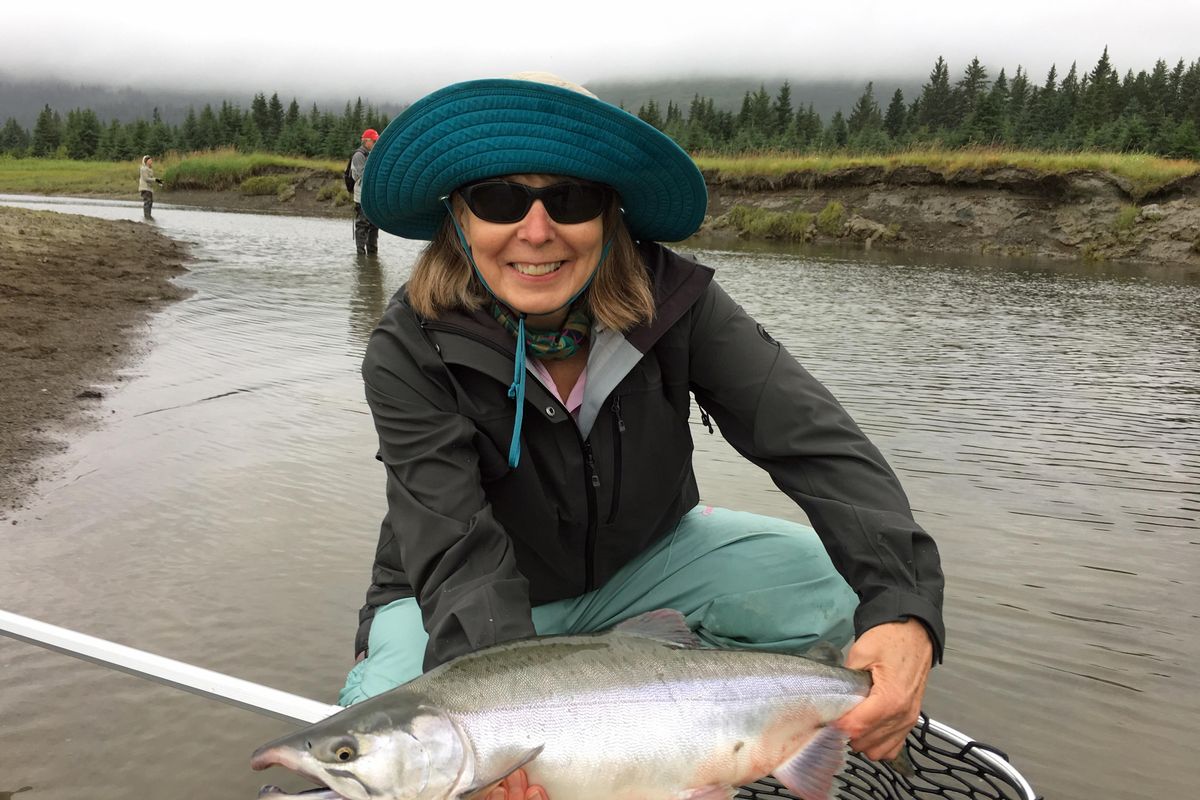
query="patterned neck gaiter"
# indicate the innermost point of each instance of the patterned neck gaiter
(550, 344)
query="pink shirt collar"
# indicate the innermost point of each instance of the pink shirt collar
(574, 400)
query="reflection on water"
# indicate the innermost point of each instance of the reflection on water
(1045, 420)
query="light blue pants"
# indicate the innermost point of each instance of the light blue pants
(741, 580)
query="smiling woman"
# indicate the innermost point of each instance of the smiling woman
(531, 388)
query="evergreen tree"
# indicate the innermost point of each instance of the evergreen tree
(650, 114)
(1184, 141)
(47, 133)
(189, 132)
(81, 137)
(1098, 102)
(969, 90)
(260, 116)
(838, 134)
(782, 111)
(274, 118)
(208, 130)
(1174, 99)
(159, 138)
(895, 118)
(808, 128)
(229, 124)
(936, 110)
(865, 114)
(1018, 96)
(14, 140)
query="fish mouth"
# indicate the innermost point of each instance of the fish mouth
(270, 792)
(269, 756)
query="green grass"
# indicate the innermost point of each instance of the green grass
(1145, 173)
(227, 169)
(63, 176)
(214, 170)
(759, 222)
(829, 221)
(1126, 217)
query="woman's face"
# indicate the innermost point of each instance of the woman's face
(534, 265)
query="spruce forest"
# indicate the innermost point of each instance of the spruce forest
(1154, 112)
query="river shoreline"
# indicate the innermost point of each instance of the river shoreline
(1003, 211)
(75, 296)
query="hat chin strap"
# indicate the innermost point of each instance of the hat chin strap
(516, 389)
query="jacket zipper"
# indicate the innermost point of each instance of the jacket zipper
(618, 434)
(591, 478)
(593, 483)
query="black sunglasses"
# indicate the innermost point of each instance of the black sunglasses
(504, 202)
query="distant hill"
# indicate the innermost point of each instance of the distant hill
(727, 93)
(23, 99)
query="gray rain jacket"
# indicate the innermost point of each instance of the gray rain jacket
(477, 542)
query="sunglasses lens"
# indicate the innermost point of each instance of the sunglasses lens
(498, 201)
(570, 203)
(504, 202)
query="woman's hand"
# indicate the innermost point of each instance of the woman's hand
(898, 655)
(516, 787)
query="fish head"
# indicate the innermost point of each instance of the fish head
(378, 751)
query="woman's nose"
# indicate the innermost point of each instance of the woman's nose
(537, 227)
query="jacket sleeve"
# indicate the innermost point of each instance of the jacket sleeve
(439, 532)
(781, 418)
(358, 162)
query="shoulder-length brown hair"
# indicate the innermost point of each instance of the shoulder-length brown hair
(619, 297)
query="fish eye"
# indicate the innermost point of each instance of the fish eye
(344, 753)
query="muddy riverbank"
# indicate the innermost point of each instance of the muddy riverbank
(75, 293)
(1005, 211)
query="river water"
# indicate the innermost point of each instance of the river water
(1043, 417)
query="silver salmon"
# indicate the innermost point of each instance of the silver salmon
(639, 712)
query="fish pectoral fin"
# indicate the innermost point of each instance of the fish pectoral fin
(487, 780)
(664, 624)
(825, 653)
(708, 793)
(810, 773)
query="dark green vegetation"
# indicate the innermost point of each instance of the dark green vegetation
(265, 127)
(1155, 111)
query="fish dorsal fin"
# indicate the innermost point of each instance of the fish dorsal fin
(484, 781)
(825, 653)
(664, 624)
(809, 774)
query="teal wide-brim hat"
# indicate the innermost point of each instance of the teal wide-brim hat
(507, 126)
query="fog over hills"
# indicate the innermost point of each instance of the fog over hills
(23, 99)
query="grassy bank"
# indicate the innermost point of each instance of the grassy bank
(217, 170)
(222, 170)
(1144, 173)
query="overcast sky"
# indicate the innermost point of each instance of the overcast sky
(394, 51)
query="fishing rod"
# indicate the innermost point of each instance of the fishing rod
(169, 672)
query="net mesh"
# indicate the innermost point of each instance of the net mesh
(946, 767)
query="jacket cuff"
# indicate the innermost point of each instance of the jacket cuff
(897, 607)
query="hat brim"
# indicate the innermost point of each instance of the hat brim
(487, 128)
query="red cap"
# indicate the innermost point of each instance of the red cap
(371, 133)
